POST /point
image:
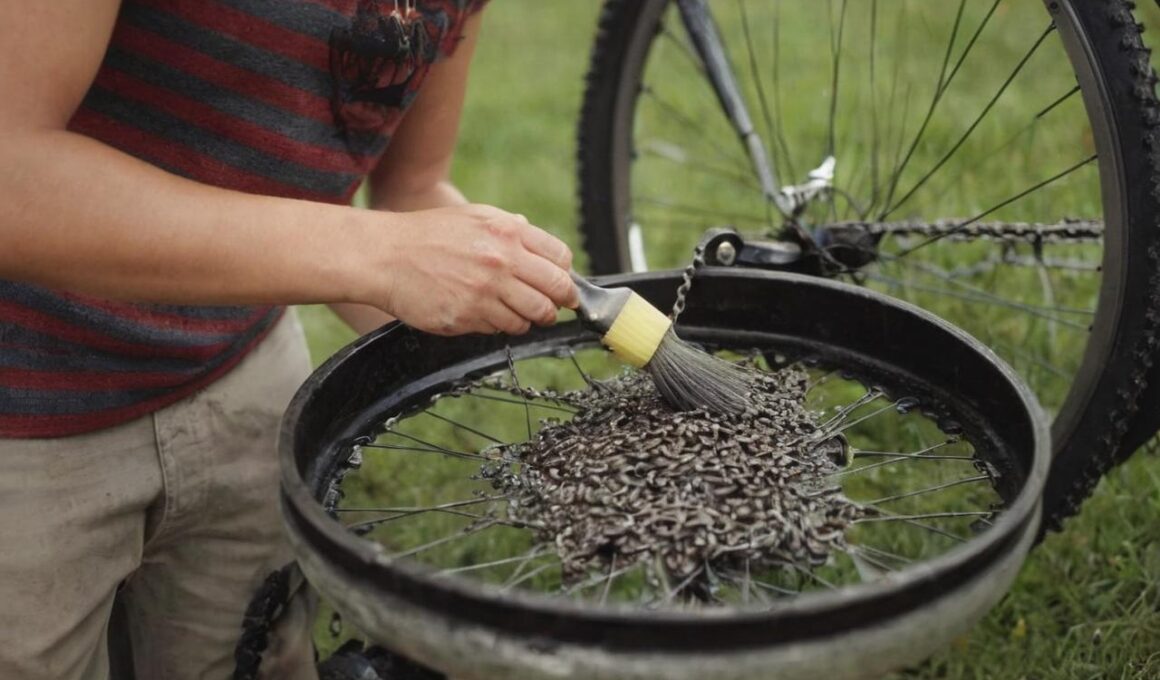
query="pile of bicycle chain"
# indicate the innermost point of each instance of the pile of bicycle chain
(689, 495)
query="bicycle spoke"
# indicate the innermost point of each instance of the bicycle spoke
(528, 559)
(1012, 351)
(930, 489)
(757, 81)
(892, 454)
(971, 129)
(466, 428)
(777, 108)
(691, 58)
(836, 59)
(846, 426)
(884, 554)
(404, 512)
(532, 404)
(772, 588)
(977, 299)
(527, 577)
(930, 270)
(856, 554)
(927, 515)
(695, 210)
(684, 48)
(583, 374)
(846, 410)
(672, 592)
(810, 574)
(944, 82)
(899, 168)
(426, 448)
(596, 580)
(894, 459)
(1058, 102)
(695, 129)
(934, 530)
(900, 144)
(608, 581)
(470, 531)
(996, 152)
(376, 522)
(535, 552)
(516, 382)
(874, 141)
(653, 150)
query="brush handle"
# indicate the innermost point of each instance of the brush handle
(599, 307)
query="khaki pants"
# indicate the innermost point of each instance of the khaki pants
(181, 507)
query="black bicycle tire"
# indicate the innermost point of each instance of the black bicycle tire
(1095, 444)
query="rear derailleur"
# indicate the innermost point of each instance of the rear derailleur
(826, 251)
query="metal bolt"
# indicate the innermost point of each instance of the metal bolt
(726, 253)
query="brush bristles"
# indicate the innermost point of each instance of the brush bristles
(637, 331)
(689, 378)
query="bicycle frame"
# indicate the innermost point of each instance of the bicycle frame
(790, 200)
(707, 42)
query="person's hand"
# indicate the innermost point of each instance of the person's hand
(474, 268)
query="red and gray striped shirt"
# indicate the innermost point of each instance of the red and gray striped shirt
(290, 98)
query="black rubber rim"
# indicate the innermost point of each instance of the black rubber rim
(346, 395)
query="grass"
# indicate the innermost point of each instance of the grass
(1087, 603)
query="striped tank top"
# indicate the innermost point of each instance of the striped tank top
(289, 98)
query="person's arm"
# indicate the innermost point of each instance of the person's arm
(415, 172)
(76, 214)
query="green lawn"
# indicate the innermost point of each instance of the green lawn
(1087, 604)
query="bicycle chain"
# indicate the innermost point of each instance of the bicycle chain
(687, 282)
(1068, 230)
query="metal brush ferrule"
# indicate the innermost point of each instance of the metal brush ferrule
(599, 307)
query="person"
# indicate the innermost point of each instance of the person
(173, 174)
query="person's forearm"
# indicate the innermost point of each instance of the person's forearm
(76, 214)
(363, 319)
(438, 195)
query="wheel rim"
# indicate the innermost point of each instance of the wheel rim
(361, 386)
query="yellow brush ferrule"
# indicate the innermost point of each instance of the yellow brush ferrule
(637, 331)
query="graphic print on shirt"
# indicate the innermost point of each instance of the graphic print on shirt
(379, 62)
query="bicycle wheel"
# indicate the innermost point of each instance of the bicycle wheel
(451, 496)
(991, 162)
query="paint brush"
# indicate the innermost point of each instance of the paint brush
(686, 377)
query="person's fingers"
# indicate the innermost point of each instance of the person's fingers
(529, 303)
(546, 246)
(504, 319)
(547, 278)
